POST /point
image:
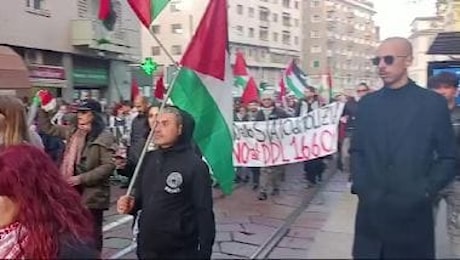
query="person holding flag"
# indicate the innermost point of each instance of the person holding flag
(174, 193)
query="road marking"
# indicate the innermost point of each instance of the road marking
(117, 223)
(124, 251)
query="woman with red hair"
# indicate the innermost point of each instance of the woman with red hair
(41, 216)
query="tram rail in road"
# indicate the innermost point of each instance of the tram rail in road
(264, 250)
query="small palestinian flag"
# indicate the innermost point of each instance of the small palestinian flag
(148, 10)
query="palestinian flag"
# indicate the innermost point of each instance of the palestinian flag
(148, 10)
(240, 72)
(251, 93)
(203, 87)
(295, 79)
(106, 14)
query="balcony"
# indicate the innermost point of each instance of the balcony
(92, 34)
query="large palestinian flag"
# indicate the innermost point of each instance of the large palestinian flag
(203, 87)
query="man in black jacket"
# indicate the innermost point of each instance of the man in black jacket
(402, 154)
(175, 195)
(139, 133)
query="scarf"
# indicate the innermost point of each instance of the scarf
(73, 152)
(9, 238)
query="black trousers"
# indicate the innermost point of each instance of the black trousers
(255, 175)
(314, 170)
(98, 217)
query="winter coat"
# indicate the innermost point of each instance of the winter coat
(402, 153)
(96, 163)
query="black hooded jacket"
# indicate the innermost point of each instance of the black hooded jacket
(175, 194)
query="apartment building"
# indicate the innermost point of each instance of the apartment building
(340, 37)
(69, 51)
(423, 32)
(449, 11)
(268, 32)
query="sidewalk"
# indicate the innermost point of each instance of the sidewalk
(335, 239)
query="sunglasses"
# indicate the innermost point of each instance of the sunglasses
(361, 90)
(388, 59)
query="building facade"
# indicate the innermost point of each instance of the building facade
(423, 32)
(268, 32)
(69, 50)
(340, 38)
(449, 11)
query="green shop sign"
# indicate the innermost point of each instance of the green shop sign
(90, 77)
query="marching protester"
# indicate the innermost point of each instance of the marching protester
(174, 192)
(313, 169)
(41, 216)
(402, 154)
(253, 109)
(348, 118)
(13, 124)
(240, 114)
(88, 158)
(121, 162)
(270, 176)
(446, 84)
(138, 135)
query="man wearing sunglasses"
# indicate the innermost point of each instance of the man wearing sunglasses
(402, 154)
(446, 84)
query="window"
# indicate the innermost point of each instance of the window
(314, 3)
(287, 3)
(263, 33)
(315, 49)
(287, 37)
(315, 18)
(296, 4)
(286, 19)
(275, 36)
(296, 22)
(240, 29)
(38, 7)
(251, 32)
(251, 12)
(239, 9)
(314, 34)
(263, 14)
(35, 4)
(296, 40)
(177, 28)
(275, 18)
(174, 6)
(156, 51)
(176, 50)
(156, 29)
(315, 64)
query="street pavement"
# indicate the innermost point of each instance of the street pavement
(244, 223)
(324, 229)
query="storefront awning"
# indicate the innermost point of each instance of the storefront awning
(446, 43)
(13, 72)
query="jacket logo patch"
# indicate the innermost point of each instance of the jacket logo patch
(173, 182)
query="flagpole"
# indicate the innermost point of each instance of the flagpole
(162, 106)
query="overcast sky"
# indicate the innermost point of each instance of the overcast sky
(394, 16)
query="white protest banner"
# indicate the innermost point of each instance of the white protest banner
(289, 140)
